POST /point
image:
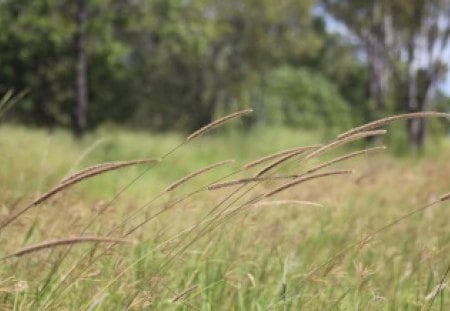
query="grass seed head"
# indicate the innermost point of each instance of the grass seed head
(203, 130)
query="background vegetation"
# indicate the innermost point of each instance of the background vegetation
(174, 65)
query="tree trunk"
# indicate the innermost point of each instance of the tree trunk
(415, 127)
(81, 100)
(379, 42)
(416, 133)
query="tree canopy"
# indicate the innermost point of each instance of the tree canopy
(172, 64)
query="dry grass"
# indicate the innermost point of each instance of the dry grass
(284, 153)
(346, 140)
(214, 124)
(241, 181)
(345, 157)
(287, 202)
(286, 157)
(385, 121)
(212, 249)
(303, 179)
(61, 242)
(74, 179)
(103, 168)
(192, 175)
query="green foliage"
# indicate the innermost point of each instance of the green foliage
(37, 55)
(337, 62)
(155, 63)
(301, 98)
(175, 64)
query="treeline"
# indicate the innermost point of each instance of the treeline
(175, 64)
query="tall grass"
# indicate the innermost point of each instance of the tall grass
(205, 245)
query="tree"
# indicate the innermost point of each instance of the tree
(371, 23)
(43, 50)
(404, 40)
(81, 98)
(423, 29)
(209, 55)
(31, 44)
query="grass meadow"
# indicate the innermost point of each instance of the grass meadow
(296, 237)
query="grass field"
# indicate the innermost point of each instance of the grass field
(349, 242)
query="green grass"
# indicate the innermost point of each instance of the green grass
(260, 259)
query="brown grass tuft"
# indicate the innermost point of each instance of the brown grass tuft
(241, 181)
(74, 179)
(184, 293)
(285, 158)
(217, 123)
(62, 242)
(343, 141)
(286, 202)
(445, 197)
(105, 167)
(384, 121)
(345, 157)
(272, 156)
(196, 173)
(304, 179)
(90, 172)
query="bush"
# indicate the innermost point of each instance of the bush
(301, 98)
